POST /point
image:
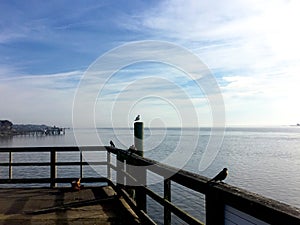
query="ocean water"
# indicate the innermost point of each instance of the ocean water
(262, 160)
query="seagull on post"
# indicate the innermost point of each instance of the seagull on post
(137, 118)
(112, 144)
(220, 176)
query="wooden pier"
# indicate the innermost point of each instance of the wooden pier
(94, 205)
(45, 132)
(224, 204)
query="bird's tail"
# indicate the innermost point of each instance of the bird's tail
(210, 181)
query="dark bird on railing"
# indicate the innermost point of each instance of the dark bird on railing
(112, 144)
(137, 118)
(220, 176)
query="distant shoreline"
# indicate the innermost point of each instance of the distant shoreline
(8, 129)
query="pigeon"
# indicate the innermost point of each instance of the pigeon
(112, 144)
(221, 176)
(137, 118)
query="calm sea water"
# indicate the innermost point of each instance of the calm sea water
(262, 160)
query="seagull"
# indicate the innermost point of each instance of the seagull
(112, 144)
(221, 176)
(137, 118)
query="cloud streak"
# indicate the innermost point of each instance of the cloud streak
(250, 46)
(39, 99)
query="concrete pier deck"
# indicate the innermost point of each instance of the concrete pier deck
(94, 205)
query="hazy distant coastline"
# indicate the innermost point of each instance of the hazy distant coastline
(7, 128)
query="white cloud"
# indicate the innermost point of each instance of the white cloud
(39, 99)
(251, 46)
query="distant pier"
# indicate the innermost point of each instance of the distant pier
(8, 129)
(54, 131)
(42, 132)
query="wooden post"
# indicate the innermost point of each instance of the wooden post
(214, 207)
(10, 167)
(81, 170)
(141, 197)
(141, 173)
(108, 165)
(167, 196)
(120, 171)
(53, 168)
(138, 137)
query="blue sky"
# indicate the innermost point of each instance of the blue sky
(251, 47)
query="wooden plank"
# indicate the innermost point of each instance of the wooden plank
(58, 149)
(185, 178)
(174, 209)
(167, 196)
(57, 164)
(262, 208)
(214, 205)
(26, 164)
(71, 205)
(49, 180)
(52, 168)
(25, 181)
(108, 163)
(238, 217)
(95, 205)
(144, 216)
(81, 169)
(10, 167)
(79, 163)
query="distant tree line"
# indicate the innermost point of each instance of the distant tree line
(7, 128)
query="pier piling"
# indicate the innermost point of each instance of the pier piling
(139, 137)
(140, 174)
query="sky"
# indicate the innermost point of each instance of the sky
(50, 54)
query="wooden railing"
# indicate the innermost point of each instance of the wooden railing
(224, 204)
(53, 179)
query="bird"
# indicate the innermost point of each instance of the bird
(137, 118)
(76, 186)
(112, 144)
(220, 176)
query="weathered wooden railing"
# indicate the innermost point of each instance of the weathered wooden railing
(224, 204)
(53, 163)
